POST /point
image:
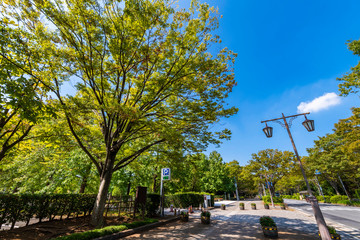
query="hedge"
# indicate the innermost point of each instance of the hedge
(290, 197)
(186, 199)
(267, 199)
(321, 198)
(14, 207)
(96, 233)
(357, 193)
(338, 198)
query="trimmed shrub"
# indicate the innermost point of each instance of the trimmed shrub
(297, 197)
(267, 199)
(345, 202)
(184, 200)
(357, 193)
(337, 198)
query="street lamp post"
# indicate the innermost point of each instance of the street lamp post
(309, 125)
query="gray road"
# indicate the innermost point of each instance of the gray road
(348, 216)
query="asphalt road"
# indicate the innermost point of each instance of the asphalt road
(346, 215)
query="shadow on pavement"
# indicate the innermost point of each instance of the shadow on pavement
(237, 227)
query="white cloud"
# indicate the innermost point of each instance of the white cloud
(321, 103)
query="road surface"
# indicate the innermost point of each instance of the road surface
(346, 215)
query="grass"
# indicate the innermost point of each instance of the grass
(106, 230)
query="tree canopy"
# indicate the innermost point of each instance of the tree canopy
(143, 71)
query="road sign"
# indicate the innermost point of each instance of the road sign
(317, 172)
(165, 174)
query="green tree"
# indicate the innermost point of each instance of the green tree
(350, 82)
(336, 155)
(144, 75)
(272, 165)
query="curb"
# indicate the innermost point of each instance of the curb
(129, 232)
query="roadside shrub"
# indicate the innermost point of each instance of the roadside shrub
(267, 199)
(337, 198)
(345, 202)
(184, 200)
(357, 193)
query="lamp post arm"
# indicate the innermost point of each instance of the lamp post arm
(297, 156)
(283, 117)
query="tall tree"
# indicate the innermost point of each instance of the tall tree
(143, 71)
(272, 165)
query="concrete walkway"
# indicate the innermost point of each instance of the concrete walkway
(234, 223)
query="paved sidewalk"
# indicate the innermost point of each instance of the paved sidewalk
(233, 223)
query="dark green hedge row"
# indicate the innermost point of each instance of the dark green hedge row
(14, 207)
(96, 233)
(184, 200)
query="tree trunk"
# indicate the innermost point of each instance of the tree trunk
(129, 185)
(85, 179)
(154, 185)
(97, 217)
(333, 185)
(83, 185)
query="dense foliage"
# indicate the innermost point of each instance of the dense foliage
(143, 74)
(184, 200)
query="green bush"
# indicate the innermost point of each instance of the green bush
(184, 200)
(337, 198)
(267, 221)
(357, 204)
(295, 196)
(345, 202)
(267, 199)
(357, 193)
(96, 233)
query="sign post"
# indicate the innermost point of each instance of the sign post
(165, 175)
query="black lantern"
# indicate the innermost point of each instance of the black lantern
(268, 131)
(309, 124)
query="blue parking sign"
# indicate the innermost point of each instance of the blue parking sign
(165, 174)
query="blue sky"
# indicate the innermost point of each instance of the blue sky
(288, 52)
